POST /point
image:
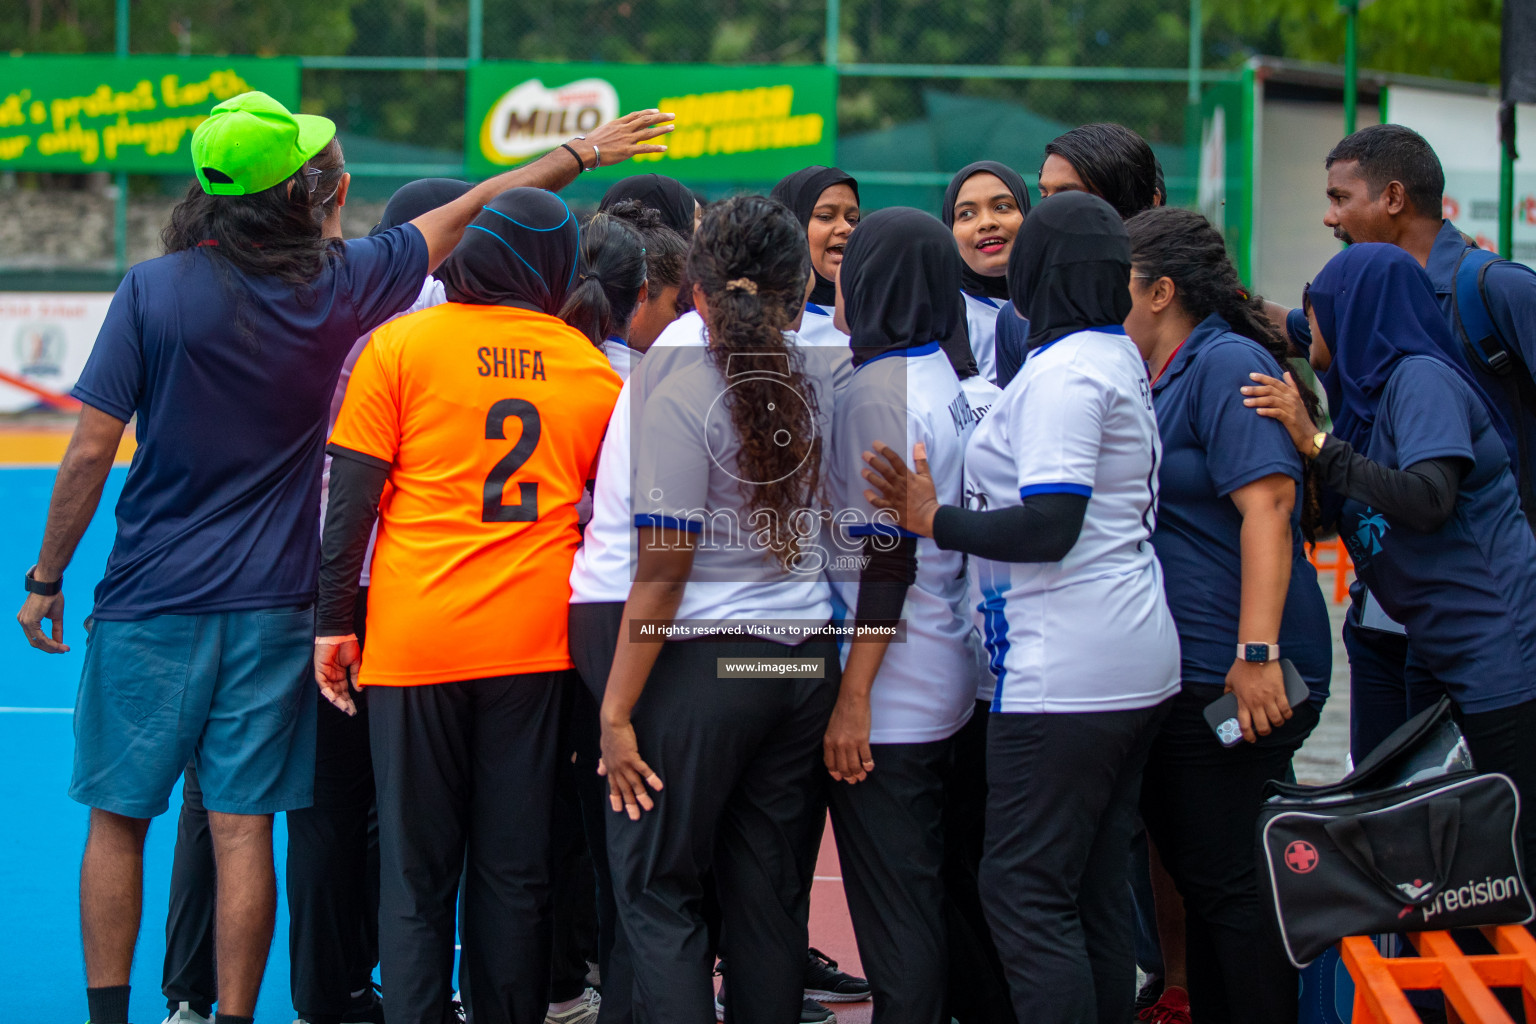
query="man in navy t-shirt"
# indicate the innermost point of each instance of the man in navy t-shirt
(227, 350)
(1385, 184)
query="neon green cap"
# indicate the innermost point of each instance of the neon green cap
(251, 142)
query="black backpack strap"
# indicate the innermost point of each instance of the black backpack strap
(1487, 349)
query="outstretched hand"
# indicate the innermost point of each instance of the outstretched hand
(908, 494)
(628, 136)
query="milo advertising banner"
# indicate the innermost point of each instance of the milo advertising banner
(97, 113)
(733, 123)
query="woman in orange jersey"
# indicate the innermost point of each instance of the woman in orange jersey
(484, 415)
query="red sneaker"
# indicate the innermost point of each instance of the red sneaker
(1172, 1007)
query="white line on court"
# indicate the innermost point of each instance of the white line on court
(828, 878)
(37, 711)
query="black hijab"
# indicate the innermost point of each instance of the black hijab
(667, 196)
(900, 274)
(1070, 269)
(418, 197)
(520, 251)
(970, 281)
(801, 192)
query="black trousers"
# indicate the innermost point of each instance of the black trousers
(190, 974)
(1201, 803)
(333, 870)
(594, 635)
(332, 879)
(1062, 791)
(978, 988)
(741, 762)
(573, 881)
(1378, 689)
(465, 775)
(890, 842)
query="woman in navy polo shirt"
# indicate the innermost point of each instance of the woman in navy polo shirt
(1230, 518)
(1430, 512)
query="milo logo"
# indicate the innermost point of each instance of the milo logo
(531, 119)
(1473, 894)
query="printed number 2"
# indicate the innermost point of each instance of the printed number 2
(527, 508)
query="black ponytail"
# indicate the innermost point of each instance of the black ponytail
(1182, 246)
(610, 270)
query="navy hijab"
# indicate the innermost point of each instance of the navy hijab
(1070, 269)
(899, 277)
(418, 197)
(1375, 306)
(970, 281)
(520, 251)
(801, 192)
(667, 196)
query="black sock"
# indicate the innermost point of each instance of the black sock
(108, 1004)
(230, 1018)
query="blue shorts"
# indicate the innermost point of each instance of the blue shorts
(229, 691)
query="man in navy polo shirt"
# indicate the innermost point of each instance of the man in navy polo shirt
(227, 351)
(1385, 184)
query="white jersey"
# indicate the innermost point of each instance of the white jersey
(1091, 632)
(981, 325)
(981, 394)
(926, 687)
(688, 477)
(604, 564)
(620, 356)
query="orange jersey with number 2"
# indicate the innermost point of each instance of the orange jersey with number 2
(490, 419)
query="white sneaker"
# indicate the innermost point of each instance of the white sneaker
(184, 1014)
(584, 1012)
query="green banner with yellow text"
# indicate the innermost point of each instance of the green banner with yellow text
(96, 113)
(754, 123)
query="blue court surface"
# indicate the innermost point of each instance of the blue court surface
(42, 831)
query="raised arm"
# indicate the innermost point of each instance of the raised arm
(613, 143)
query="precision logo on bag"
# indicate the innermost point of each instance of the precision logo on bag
(1301, 857)
(1473, 894)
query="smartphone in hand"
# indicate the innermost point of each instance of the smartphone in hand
(1221, 713)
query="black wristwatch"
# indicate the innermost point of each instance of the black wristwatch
(37, 586)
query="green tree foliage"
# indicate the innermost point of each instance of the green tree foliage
(1454, 38)
(179, 26)
(1441, 38)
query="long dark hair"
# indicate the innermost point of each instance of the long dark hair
(1114, 162)
(1182, 246)
(751, 259)
(610, 271)
(274, 233)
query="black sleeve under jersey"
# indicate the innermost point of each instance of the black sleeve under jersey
(1042, 529)
(356, 486)
(883, 581)
(1422, 497)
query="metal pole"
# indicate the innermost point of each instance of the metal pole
(1351, 14)
(1194, 52)
(120, 218)
(476, 30)
(1507, 157)
(834, 28)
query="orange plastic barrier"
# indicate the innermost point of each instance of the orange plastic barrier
(1340, 564)
(1465, 980)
